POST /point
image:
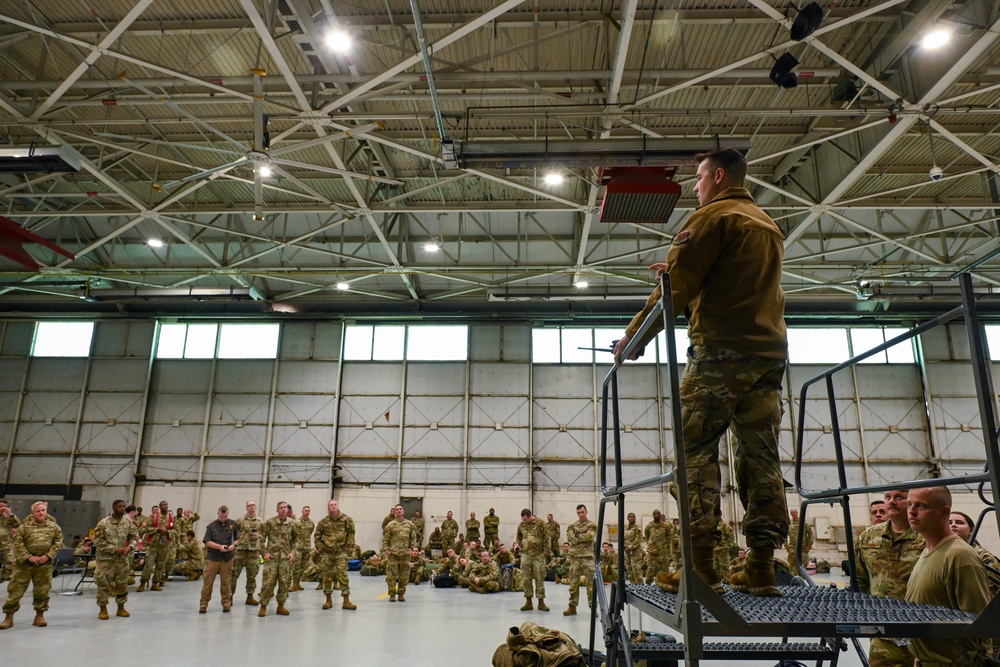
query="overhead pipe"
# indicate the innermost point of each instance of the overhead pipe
(426, 57)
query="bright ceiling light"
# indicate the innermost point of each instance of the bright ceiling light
(343, 287)
(936, 38)
(339, 41)
(432, 246)
(154, 243)
(265, 171)
(553, 178)
(582, 284)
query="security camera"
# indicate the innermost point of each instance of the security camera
(936, 173)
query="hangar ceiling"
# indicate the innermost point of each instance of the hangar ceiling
(173, 105)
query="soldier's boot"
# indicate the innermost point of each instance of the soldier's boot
(336, 585)
(392, 598)
(348, 604)
(142, 587)
(757, 577)
(319, 586)
(541, 605)
(282, 611)
(704, 567)
(103, 614)
(158, 586)
(329, 602)
(295, 585)
(401, 598)
(8, 622)
(528, 606)
(122, 612)
(571, 611)
(475, 589)
(39, 621)
(262, 612)
(252, 601)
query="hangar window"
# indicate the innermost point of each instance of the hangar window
(248, 341)
(865, 339)
(415, 343)
(227, 341)
(835, 345)
(62, 339)
(562, 345)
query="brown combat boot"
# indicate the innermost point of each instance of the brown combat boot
(541, 605)
(348, 604)
(203, 610)
(571, 611)
(39, 621)
(8, 622)
(704, 567)
(142, 587)
(319, 586)
(122, 612)
(527, 605)
(252, 601)
(282, 611)
(329, 602)
(262, 612)
(296, 586)
(158, 586)
(392, 598)
(103, 614)
(401, 598)
(757, 577)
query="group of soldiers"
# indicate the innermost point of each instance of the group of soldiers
(656, 549)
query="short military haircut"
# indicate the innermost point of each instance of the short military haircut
(940, 494)
(282, 502)
(581, 507)
(223, 508)
(40, 502)
(875, 502)
(525, 512)
(729, 160)
(115, 502)
(130, 508)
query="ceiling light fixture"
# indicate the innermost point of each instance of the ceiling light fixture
(432, 246)
(265, 170)
(343, 287)
(582, 284)
(339, 40)
(553, 178)
(155, 243)
(936, 38)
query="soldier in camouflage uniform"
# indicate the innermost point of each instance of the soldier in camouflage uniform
(8, 522)
(792, 542)
(184, 522)
(659, 534)
(449, 531)
(609, 563)
(278, 544)
(419, 523)
(334, 541)
(158, 536)
(190, 557)
(36, 544)
(581, 537)
(472, 528)
(675, 546)
(725, 268)
(553, 529)
(114, 542)
(305, 528)
(884, 559)
(485, 577)
(724, 548)
(505, 557)
(491, 527)
(248, 551)
(417, 566)
(634, 555)
(398, 537)
(963, 525)
(533, 539)
(562, 565)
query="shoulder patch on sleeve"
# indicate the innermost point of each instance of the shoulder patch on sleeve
(682, 238)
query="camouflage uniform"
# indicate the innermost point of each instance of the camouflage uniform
(580, 536)
(185, 523)
(419, 523)
(884, 561)
(491, 527)
(553, 529)
(417, 567)
(534, 540)
(398, 538)
(675, 548)
(449, 531)
(33, 539)
(659, 535)
(7, 524)
(247, 552)
(111, 575)
(724, 548)
(279, 539)
(190, 557)
(159, 550)
(990, 561)
(634, 556)
(489, 578)
(334, 539)
(303, 548)
(792, 543)
(609, 566)
(471, 530)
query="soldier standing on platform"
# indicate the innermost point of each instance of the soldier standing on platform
(581, 536)
(247, 554)
(114, 542)
(334, 541)
(634, 556)
(304, 530)
(278, 542)
(36, 544)
(398, 537)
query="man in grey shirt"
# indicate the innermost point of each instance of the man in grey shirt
(221, 538)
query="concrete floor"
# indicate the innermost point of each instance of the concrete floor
(434, 627)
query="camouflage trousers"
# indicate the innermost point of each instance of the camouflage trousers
(793, 562)
(159, 562)
(333, 567)
(189, 566)
(111, 578)
(633, 565)
(40, 578)
(488, 587)
(251, 561)
(721, 556)
(533, 576)
(397, 572)
(656, 562)
(277, 572)
(885, 653)
(6, 559)
(721, 388)
(303, 559)
(581, 570)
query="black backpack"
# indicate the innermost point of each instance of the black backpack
(444, 580)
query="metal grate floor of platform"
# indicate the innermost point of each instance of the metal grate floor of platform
(736, 651)
(810, 611)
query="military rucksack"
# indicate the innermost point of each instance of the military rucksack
(533, 645)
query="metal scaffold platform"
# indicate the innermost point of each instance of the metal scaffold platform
(831, 615)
